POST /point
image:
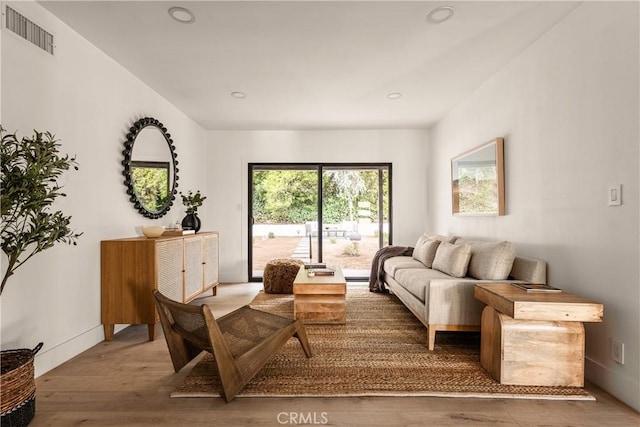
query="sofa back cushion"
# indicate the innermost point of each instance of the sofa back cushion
(452, 259)
(490, 260)
(529, 270)
(425, 250)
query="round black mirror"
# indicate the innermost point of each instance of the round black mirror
(150, 168)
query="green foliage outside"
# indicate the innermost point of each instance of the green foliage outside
(284, 197)
(290, 196)
(151, 185)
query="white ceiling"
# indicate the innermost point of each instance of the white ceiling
(312, 65)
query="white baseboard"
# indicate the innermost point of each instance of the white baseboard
(54, 356)
(624, 388)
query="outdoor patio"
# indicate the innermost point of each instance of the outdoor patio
(291, 241)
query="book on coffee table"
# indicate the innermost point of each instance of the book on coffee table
(324, 271)
(536, 287)
(315, 265)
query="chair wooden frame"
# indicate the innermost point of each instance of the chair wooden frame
(191, 329)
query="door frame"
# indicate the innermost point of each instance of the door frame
(319, 167)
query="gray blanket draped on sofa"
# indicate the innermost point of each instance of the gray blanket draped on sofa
(376, 278)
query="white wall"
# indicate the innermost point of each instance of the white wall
(568, 109)
(231, 151)
(89, 102)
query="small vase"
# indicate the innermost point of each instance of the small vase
(191, 222)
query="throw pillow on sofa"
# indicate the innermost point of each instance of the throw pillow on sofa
(452, 259)
(425, 250)
(490, 260)
(441, 237)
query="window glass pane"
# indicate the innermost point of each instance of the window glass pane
(352, 226)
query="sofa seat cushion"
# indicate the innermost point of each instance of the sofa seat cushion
(452, 259)
(490, 260)
(393, 264)
(416, 280)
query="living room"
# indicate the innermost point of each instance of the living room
(567, 105)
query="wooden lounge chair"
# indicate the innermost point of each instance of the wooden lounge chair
(241, 342)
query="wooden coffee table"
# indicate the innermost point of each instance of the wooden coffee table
(534, 338)
(320, 299)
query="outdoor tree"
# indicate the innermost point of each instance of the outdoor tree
(290, 196)
(285, 196)
(350, 185)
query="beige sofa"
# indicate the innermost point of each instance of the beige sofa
(436, 282)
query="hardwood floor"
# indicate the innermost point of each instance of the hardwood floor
(126, 382)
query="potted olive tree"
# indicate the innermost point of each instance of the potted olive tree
(30, 168)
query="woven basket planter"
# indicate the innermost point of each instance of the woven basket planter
(17, 386)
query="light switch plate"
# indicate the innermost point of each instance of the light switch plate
(615, 195)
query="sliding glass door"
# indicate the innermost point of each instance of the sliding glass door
(355, 220)
(338, 214)
(283, 209)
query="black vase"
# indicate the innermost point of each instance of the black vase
(191, 222)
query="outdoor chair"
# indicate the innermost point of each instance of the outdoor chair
(241, 342)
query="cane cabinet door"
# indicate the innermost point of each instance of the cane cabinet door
(170, 268)
(193, 271)
(211, 256)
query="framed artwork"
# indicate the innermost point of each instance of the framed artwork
(477, 180)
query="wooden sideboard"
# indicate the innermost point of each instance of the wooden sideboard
(182, 268)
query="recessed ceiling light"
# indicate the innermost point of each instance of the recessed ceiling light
(394, 95)
(182, 15)
(239, 95)
(440, 14)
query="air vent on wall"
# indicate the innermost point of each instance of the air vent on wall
(28, 30)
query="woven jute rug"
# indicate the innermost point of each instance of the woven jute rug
(381, 351)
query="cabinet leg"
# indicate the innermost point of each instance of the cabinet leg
(108, 331)
(152, 331)
(214, 290)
